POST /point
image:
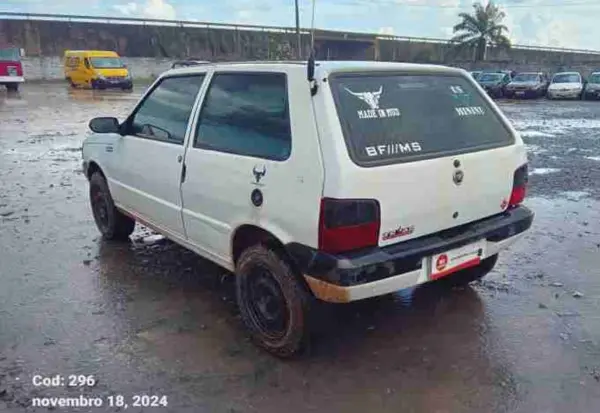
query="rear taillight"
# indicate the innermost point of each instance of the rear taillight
(348, 224)
(519, 189)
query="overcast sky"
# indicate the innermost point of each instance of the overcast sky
(560, 23)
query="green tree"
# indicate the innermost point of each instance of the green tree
(481, 29)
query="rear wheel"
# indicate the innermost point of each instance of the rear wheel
(111, 222)
(273, 301)
(469, 275)
(12, 87)
(73, 85)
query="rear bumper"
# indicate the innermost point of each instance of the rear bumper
(378, 271)
(107, 84)
(564, 94)
(592, 94)
(524, 92)
(11, 79)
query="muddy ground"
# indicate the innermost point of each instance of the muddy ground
(151, 318)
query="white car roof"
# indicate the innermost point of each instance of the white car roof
(322, 68)
(567, 73)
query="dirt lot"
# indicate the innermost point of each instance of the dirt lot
(151, 318)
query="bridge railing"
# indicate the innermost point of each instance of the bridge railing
(233, 26)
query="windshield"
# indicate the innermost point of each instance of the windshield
(107, 62)
(393, 118)
(594, 78)
(526, 77)
(491, 77)
(567, 78)
(11, 54)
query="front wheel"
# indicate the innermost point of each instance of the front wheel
(273, 301)
(469, 275)
(112, 223)
(12, 87)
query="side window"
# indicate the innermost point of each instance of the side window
(164, 113)
(86, 62)
(246, 114)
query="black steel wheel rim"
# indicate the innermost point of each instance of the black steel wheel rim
(266, 303)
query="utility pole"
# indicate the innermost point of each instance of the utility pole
(299, 45)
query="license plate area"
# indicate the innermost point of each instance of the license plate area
(457, 259)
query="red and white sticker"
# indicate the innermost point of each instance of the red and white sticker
(457, 259)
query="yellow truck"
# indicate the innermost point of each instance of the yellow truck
(96, 69)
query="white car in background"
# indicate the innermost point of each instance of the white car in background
(566, 85)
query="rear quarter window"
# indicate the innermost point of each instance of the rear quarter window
(394, 118)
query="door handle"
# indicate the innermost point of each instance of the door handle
(179, 158)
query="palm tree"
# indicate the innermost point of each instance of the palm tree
(481, 29)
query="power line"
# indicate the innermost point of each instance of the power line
(457, 7)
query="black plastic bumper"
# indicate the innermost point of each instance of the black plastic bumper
(107, 84)
(382, 262)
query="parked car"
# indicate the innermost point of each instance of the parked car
(528, 84)
(592, 87)
(476, 74)
(11, 68)
(494, 83)
(339, 186)
(188, 63)
(566, 85)
(96, 69)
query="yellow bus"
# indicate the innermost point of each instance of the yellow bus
(96, 69)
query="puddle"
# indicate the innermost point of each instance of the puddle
(535, 134)
(544, 171)
(575, 195)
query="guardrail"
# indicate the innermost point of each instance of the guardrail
(233, 26)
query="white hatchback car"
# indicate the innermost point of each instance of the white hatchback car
(360, 180)
(566, 85)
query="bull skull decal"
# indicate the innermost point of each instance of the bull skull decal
(258, 174)
(370, 98)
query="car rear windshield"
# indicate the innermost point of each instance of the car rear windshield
(526, 77)
(567, 78)
(490, 77)
(394, 118)
(595, 78)
(11, 55)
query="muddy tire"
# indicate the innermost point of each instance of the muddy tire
(113, 224)
(273, 301)
(465, 277)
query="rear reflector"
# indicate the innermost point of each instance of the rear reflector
(348, 224)
(519, 189)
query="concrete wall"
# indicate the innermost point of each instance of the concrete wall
(51, 68)
(148, 49)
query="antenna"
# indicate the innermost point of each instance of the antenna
(310, 70)
(312, 26)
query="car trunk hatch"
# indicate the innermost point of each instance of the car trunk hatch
(429, 148)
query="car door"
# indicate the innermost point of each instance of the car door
(241, 144)
(146, 173)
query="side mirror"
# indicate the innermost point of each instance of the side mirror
(104, 125)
